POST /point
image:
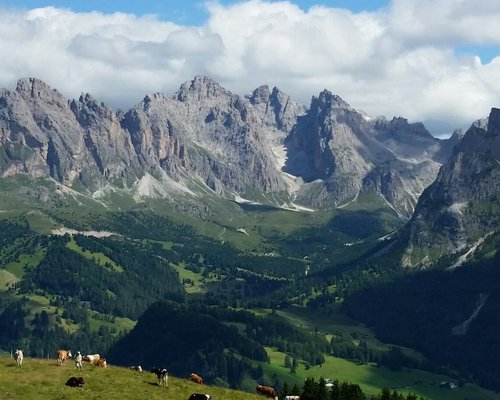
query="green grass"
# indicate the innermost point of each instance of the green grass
(7, 279)
(40, 222)
(329, 320)
(196, 286)
(96, 320)
(372, 379)
(100, 259)
(29, 260)
(44, 380)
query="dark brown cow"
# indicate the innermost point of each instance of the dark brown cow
(75, 381)
(267, 391)
(200, 396)
(196, 378)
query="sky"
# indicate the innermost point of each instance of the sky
(435, 61)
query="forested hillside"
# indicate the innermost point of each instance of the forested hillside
(450, 315)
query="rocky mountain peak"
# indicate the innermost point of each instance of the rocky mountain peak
(494, 122)
(88, 110)
(275, 107)
(327, 99)
(460, 206)
(400, 124)
(260, 95)
(199, 89)
(33, 89)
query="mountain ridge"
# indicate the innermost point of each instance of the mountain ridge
(250, 146)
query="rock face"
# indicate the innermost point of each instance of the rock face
(42, 134)
(350, 152)
(263, 143)
(462, 206)
(204, 131)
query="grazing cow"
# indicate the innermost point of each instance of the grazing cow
(200, 396)
(18, 356)
(91, 358)
(102, 363)
(196, 378)
(292, 397)
(75, 381)
(78, 361)
(62, 356)
(267, 391)
(162, 375)
(137, 368)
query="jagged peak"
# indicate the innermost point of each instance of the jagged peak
(36, 88)
(201, 87)
(259, 95)
(457, 135)
(153, 98)
(494, 122)
(330, 100)
(264, 94)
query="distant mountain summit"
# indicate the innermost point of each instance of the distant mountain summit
(462, 206)
(263, 146)
(350, 152)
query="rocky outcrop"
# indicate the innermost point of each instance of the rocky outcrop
(42, 134)
(463, 204)
(351, 152)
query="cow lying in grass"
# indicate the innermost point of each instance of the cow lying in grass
(75, 381)
(162, 375)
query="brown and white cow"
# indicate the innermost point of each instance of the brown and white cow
(102, 363)
(267, 391)
(92, 358)
(196, 378)
(62, 356)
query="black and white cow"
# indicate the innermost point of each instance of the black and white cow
(162, 375)
(200, 396)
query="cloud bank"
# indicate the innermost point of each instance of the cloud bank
(400, 60)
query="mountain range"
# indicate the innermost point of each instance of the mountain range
(260, 146)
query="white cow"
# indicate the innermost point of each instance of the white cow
(18, 356)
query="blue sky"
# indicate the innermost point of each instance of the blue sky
(436, 61)
(189, 12)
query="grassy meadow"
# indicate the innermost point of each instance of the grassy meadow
(372, 379)
(44, 380)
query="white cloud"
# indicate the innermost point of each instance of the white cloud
(399, 60)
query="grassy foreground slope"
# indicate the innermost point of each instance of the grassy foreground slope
(44, 380)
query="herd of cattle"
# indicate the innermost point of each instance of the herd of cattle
(161, 374)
